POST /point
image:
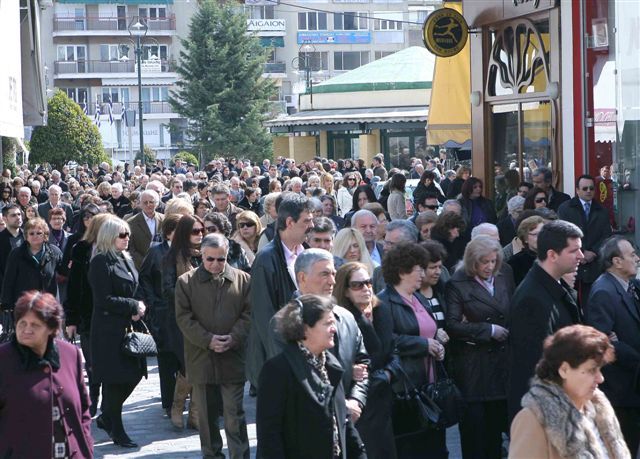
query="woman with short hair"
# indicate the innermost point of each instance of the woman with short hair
(349, 245)
(114, 279)
(523, 261)
(425, 222)
(301, 410)
(564, 414)
(44, 408)
(448, 230)
(478, 302)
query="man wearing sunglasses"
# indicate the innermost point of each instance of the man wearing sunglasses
(593, 219)
(212, 311)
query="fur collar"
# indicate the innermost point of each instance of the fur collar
(569, 430)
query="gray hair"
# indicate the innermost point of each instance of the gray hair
(362, 213)
(545, 171)
(315, 204)
(214, 241)
(483, 229)
(54, 188)
(611, 249)
(409, 230)
(479, 247)
(449, 203)
(117, 186)
(515, 204)
(151, 194)
(308, 258)
(25, 189)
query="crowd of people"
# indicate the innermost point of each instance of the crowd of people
(328, 290)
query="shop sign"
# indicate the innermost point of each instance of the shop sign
(267, 25)
(517, 8)
(342, 38)
(445, 32)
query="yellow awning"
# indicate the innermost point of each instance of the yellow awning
(450, 109)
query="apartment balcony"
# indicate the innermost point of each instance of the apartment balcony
(148, 108)
(109, 26)
(97, 69)
(275, 70)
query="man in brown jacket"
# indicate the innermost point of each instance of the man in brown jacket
(212, 311)
(145, 227)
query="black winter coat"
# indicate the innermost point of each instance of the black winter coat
(487, 208)
(596, 230)
(421, 191)
(271, 288)
(114, 281)
(521, 263)
(78, 307)
(295, 409)
(150, 291)
(479, 362)
(540, 306)
(24, 273)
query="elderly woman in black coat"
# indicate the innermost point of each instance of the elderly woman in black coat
(301, 410)
(114, 281)
(478, 298)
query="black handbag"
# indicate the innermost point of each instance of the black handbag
(444, 393)
(8, 326)
(412, 410)
(139, 343)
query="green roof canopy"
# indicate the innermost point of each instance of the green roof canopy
(411, 68)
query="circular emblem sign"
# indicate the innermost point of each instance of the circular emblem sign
(445, 32)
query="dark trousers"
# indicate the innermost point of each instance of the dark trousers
(114, 396)
(168, 367)
(427, 444)
(481, 428)
(629, 419)
(207, 398)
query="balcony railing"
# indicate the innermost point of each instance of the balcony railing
(124, 66)
(147, 108)
(275, 67)
(99, 23)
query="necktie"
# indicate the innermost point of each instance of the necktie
(587, 209)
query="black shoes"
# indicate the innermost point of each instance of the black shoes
(124, 441)
(103, 423)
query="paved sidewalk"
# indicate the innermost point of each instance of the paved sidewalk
(146, 424)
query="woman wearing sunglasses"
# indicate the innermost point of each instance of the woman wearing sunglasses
(183, 256)
(535, 199)
(31, 266)
(354, 291)
(113, 279)
(248, 233)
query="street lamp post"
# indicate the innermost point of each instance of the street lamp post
(139, 30)
(304, 63)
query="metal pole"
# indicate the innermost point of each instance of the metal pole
(139, 55)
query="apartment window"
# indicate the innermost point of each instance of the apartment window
(155, 94)
(78, 95)
(261, 12)
(312, 20)
(115, 94)
(153, 13)
(113, 52)
(71, 53)
(350, 20)
(349, 60)
(387, 21)
(317, 60)
(161, 51)
(380, 54)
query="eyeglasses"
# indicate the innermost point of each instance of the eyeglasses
(588, 188)
(211, 229)
(539, 200)
(35, 233)
(212, 259)
(146, 203)
(359, 285)
(197, 231)
(351, 179)
(124, 235)
(434, 207)
(246, 224)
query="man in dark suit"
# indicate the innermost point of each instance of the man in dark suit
(367, 223)
(55, 192)
(542, 178)
(614, 309)
(145, 227)
(593, 219)
(542, 304)
(175, 188)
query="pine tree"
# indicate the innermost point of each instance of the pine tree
(69, 135)
(221, 92)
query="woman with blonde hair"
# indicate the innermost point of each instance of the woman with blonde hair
(349, 244)
(114, 280)
(327, 184)
(248, 233)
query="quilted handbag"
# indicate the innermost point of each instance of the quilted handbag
(446, 395)
(139, 343)
(412, 410)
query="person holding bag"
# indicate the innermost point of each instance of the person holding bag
(113, 279)
(478, 301)
(413, 328)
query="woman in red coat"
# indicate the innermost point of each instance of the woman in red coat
(44, 407)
